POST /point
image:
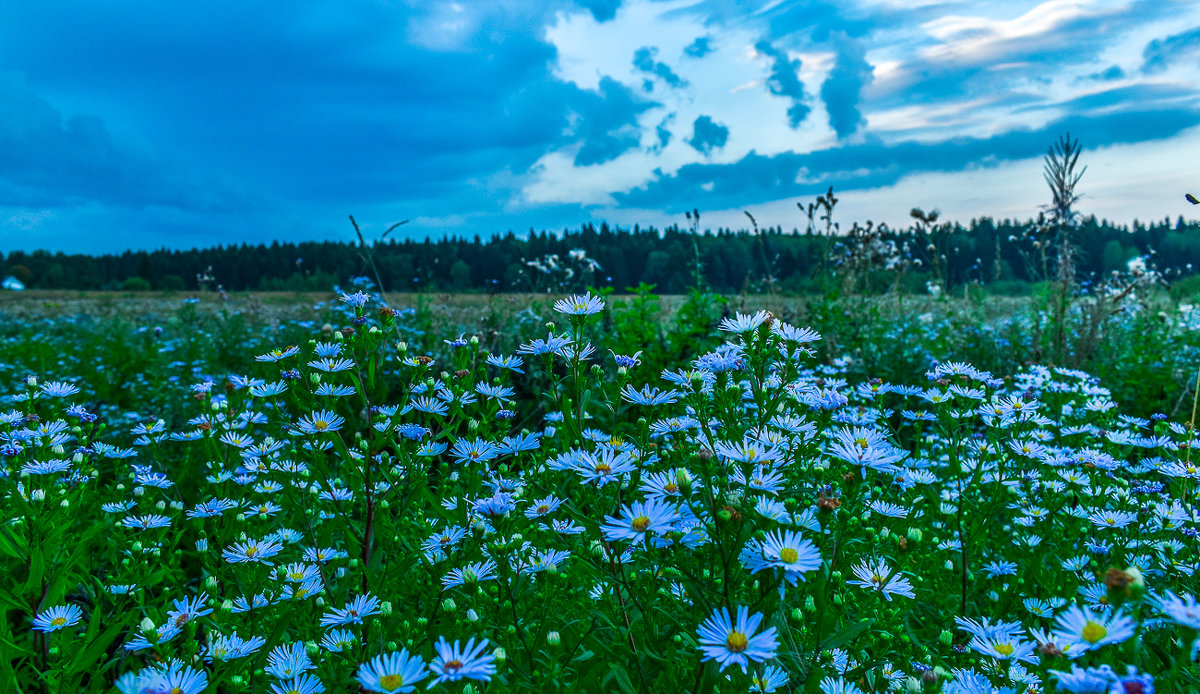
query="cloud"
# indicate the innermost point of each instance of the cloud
(784, 81)
(977, 55)
(842, 88)
(608, 127)
(643, 60)
(699, 48)
(1112, 72)
(602, 10)
(1161, 52)
(663, 133)
(50, 160)
(708, 135)
(758, 178)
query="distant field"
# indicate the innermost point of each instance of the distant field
(461, 309)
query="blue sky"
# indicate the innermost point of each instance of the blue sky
(146, 124)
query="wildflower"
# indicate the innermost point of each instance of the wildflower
(543, 507)
(512, 363)
(353, 613)
(187, 609)
(174, 677)
(57, 617)
(331, 364)
(1079, 630)
(58, 389)
(356, 300)
(580, 305)
(731, 643)
(289, 660)
(649, 395)
(232, 647)
(883, 579)
(472, 573)
(551, 345)
(277, 354)
(393, 672)
(332, 391)
(268, 390)
(338, 640)
(742, 323)
(252, 551)
(477, 451)
(146, 522)
(637, 521)
(784, 549)
(773, 677)
(458, 662)
(300, 684)
(320, 422)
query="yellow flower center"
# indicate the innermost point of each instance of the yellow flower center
(452, 666)
(320, 424)
(787, 555)
(58, 621)
(737, 641)
(1093, 632)
(251, 551)
(603, 469)
(641, 523)
(1004, 649)
(671, 488)
(543, 509)
(391, 683)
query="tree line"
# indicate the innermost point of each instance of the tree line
(999, 253)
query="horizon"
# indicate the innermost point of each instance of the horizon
(148, 127)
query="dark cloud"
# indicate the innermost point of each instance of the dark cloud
(784, 81)
(758, 178)
(1178, 47)
(602, 10)
(708, 135)
(1113, 72)
(330, 108)
(643, 61)
(699, 48)
(843, 87)
(663, 133)
(608, 126)
(50, 160)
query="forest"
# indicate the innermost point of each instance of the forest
(1005, 255)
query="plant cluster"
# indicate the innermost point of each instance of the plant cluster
(349, 511)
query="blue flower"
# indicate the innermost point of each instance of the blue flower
(637, 521)
(392, 672)
(320, 422)
(731, 643)
(580, 305)
(458, 662)
(353, 613)
(300, 684)
(58, 617)
(649, 395)
(784, 549)
(471, 573)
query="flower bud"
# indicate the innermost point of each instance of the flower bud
(553, 638)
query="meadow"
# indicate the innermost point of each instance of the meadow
(298, 493)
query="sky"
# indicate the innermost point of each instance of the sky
(140, 125)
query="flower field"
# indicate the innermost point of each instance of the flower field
(362, 503)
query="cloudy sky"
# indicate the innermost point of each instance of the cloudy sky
(143, 124)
